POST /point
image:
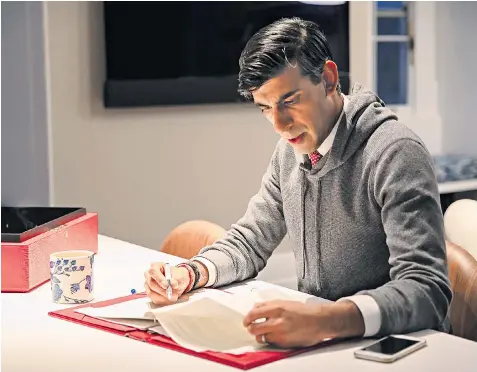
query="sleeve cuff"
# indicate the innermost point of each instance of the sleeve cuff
(370, 311)
(212, 270)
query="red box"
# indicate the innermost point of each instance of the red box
(25, 265)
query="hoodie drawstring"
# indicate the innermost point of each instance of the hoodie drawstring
(303, 241)
(318, 230)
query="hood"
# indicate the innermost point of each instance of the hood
(364, 113)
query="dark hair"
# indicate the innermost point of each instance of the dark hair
(283, 43)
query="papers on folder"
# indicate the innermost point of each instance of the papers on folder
(204, 320)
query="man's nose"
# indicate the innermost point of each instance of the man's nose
(281, 121)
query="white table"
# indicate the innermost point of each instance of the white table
(33, 341)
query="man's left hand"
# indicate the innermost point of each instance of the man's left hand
(295, 324)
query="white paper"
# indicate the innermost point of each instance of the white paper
(216, 323)
(141, 324)
(204, 320)
(138, 309)
(159, 330)
(221, 330)
(137, 313)
(258, 286)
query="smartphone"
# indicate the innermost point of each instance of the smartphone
(390, 348)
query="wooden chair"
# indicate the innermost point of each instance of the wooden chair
(463, 277)
(187, 239)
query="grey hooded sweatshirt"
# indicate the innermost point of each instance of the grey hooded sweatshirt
(365, 220)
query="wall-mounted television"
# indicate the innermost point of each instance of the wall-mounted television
(176, 53)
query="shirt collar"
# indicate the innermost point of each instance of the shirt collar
(328, 142)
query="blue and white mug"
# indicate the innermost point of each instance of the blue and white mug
(72, 277)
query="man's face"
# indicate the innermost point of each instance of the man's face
(299, 110)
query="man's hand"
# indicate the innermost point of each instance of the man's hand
(156, 283)
(294, 324)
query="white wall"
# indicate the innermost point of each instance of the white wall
(143, 170)
(457, 75)
(423, 116)
(25, 168)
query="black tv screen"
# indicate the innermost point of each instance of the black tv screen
(175, 53)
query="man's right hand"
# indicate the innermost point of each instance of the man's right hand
(156, 283)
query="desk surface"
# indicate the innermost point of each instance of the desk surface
(33, 341)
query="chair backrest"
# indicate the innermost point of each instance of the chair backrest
(463, 278)
(460, 222)
(187, 239)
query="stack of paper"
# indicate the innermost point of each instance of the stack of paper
(205, 320)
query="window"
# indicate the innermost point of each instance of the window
(393, 52)
(420, 110)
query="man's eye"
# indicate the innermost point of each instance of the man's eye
(291, 101)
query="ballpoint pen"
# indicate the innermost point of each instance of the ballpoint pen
(168, 278)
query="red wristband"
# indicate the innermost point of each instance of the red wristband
(191, 276)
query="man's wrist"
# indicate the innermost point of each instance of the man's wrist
(189, 273)
(370, 311)
(339, 320)
(348, 321)
(210, 267)
(203, 276)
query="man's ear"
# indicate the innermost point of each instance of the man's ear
(330, 77)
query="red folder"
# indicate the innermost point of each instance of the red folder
(243, 361)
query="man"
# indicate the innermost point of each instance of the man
(354, 189)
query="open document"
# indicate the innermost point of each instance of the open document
(204, 320)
